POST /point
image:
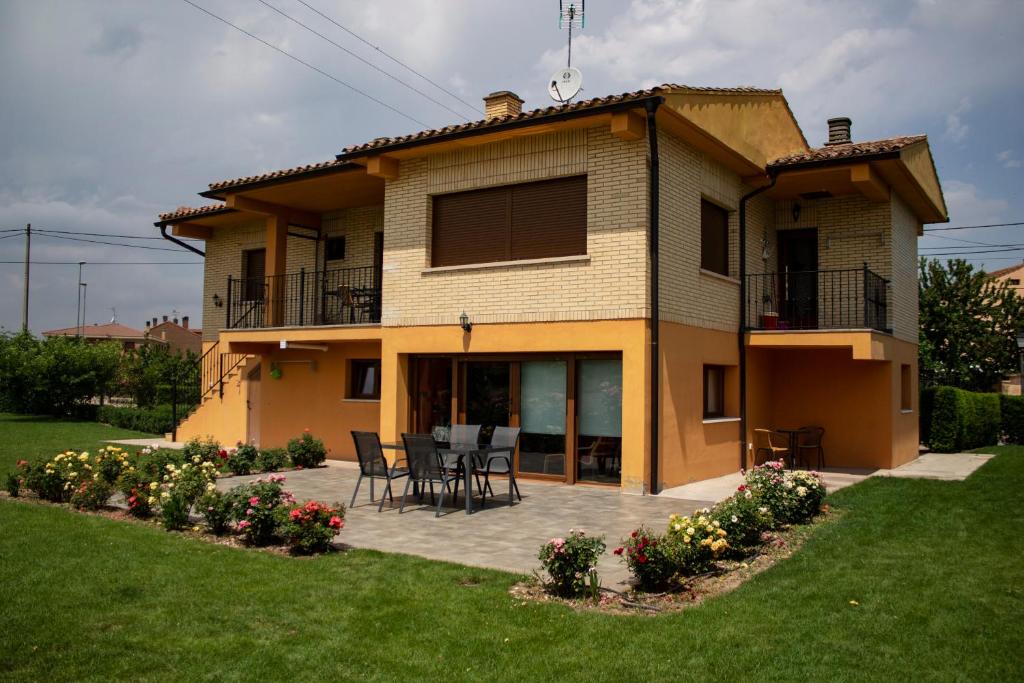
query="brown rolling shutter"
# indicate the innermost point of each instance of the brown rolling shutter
(549, 218)
(714, 238)
(254, 268)
(471, 227)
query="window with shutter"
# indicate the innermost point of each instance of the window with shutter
(714, 238)
(528, 221)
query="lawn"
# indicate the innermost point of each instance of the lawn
(935, 567)
(31, 436)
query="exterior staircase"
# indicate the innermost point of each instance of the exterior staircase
(210, 399)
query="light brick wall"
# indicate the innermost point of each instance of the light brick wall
(904, 289)
(611, 284)
(223, 259)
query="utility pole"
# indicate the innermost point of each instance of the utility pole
(78, 313)
(28, 255)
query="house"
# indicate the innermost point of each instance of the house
(180, 338)
(1012, 276)
(128, 337)
(637, 281)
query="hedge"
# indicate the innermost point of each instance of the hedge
(957, 420)
(1012, 409)
(155, 420)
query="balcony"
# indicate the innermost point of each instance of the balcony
(345, 296)
(849, 299)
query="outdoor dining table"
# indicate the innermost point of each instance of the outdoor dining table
(793, 435)
(456, 454)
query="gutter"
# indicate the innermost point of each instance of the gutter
(773, 175)
(171, 238)
(653, 240)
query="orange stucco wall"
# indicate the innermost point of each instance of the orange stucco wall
(221, 418)
(692, 449)
(314, 399)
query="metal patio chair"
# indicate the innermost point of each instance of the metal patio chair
(425, 467)
(373, 465)
(461, 435)
(499, 462)
(770, 442)
(809, 441)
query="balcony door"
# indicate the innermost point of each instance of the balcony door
(798, 266)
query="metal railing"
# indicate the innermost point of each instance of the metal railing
(345, 296)
(191, 386)
(854, 298)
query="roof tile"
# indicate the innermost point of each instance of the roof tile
(189, 211)
(848, 151)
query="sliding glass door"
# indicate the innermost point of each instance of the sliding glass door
(599, 417)
(542, 415)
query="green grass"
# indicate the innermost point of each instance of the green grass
(936, 567)
(32, 436)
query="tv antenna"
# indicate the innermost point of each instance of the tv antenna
(566, 83)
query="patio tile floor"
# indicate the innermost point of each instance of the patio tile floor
(499, 536)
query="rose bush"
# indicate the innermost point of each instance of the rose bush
(743, 518)
(310, 527)
(651, 558)
(254, 509)
(242, 459)
(306, 451)
(572, 562)
(700, 540)
(791, 497)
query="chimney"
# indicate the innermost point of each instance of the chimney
(502, 103)
(175, 321)
(839, 131)
(184, 321)
(147, 324)
(154, 321)
(165, 318)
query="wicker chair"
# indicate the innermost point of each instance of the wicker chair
(373, 465)
(426, 468)
(772, 444)
(809, 442)
(499, 462)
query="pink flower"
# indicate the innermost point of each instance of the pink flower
(276, 478)
(244, 524)
(336, 522)
(296, 513)
(249, 511)
(255, 500)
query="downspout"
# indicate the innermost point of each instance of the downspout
(741, 335)
(171, 238)
(654, 238)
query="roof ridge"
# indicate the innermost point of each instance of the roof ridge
(183, 211)
(850, 149)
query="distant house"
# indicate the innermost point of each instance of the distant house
(178, 337)
(1012, 276)
(128, 337)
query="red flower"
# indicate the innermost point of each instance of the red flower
(618, 551)
(22, 463)
(641, 559)
(742, 487)
(223, 454)
(295, 513)
(336, 522)
(633, 534)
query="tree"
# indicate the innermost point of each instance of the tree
(969, 325)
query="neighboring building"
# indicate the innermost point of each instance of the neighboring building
(128, 337)
(1013, 277)
(501, 272)
(178, 337)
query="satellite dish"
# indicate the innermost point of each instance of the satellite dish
(565, 84)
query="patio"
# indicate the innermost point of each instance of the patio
(498, 536)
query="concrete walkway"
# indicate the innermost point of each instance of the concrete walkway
(499, 537)
(152, 443)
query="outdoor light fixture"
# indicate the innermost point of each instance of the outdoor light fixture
(464, 323)
(796, 211)
(217, 301)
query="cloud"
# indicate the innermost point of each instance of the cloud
(956, 129)
(969, 206)
(1008, 159)
(121, 41)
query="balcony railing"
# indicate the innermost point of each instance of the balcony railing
(855, 298)
(346, 296)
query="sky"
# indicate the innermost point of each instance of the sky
(116, 110)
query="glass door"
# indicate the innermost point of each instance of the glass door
(432, 397)
(487, 398)
(542, 417)
(599, 418)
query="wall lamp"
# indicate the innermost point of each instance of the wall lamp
(217, 301)
(796, 211)
(464, 323)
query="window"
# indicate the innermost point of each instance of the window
(714, 391)
(714, 238)
(254, 268)
(906, 388)
(1014, 282)
(528, 221)
(334, 249)
(364, 379)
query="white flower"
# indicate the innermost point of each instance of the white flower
(195, 458)
(747, 494)
(734, 519)
(211, 486)
(677, 526)
(801, 491)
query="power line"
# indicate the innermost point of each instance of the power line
(110, 263)
(393, 59)
(972, 247)
(973, 253)
(103, 234)
(113, 244)
(364, 61)
(975, 227)
(307, 64)
(17, 234)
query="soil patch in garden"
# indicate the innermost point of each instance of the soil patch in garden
(726, 576)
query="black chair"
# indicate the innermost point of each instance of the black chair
(499, 462)
(809, 441)
(426, 468)
(461, 435)
(373, 465)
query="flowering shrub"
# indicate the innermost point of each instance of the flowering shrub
(242, 458)
(57, 479)
(307, 451)
(92, 493)
(571, 562)
(253, 507)
(743, 518)
(651, 558)
(215, 508)
(791, 497)
(180, 488)
(12, 484)
(110, 462)
(271, 459)
(699, 539)
(207, 449)
(309, 528)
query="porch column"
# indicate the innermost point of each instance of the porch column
(277, 258)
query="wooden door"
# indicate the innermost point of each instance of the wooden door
(798, 263)
(252, 420)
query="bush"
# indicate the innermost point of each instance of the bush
(651, 558)
(790, 497)
(571, 562)
(960, 420)
(215, 508)
(744, 519)
(272, 459)
(57, 478)
(92, 494)
(699, 540)
(207, 450)
(254, 506)
(1011, 410)
(309, 528)
(12, 485)
(110, 462)
(153, 420)
(242, 459)
(306, 451)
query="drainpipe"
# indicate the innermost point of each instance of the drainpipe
(171, 238)
(652, 252)
(741, 336)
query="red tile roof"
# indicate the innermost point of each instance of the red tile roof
(549, 111)
(850, 150)
(103, 331)
(273, 175)
(1006, 271)
(190, 212)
